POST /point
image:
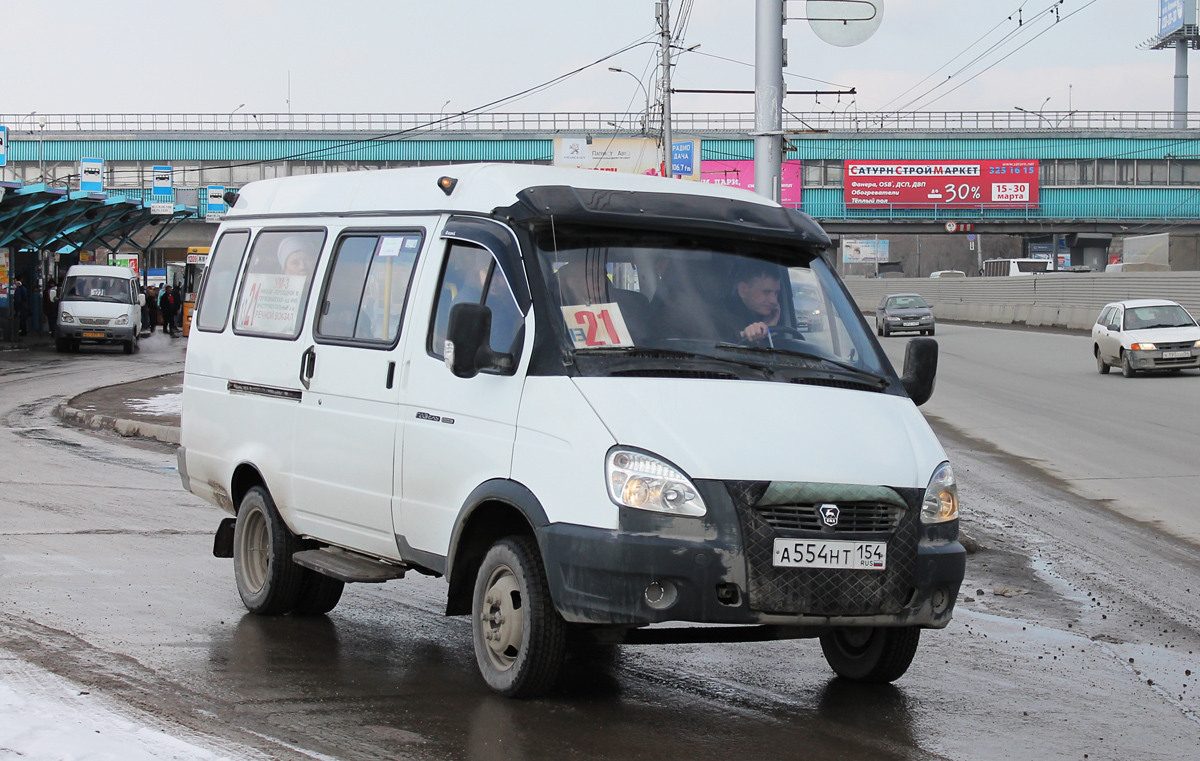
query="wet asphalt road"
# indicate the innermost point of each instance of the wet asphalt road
(1078, 641)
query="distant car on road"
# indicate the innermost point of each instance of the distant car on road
(948, 273)
(901, 312)
(807, 300)
(1145, 334)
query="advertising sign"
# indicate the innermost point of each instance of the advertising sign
(740, 174)
(1173, 15)
(999, 184)
(216, 203)
(91, 175)
(864, 250)
(162, 181)
(162, 208)
(627, 155)
(3, 277)
(3, 146)
(125, 260)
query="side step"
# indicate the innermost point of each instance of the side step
(348, 566)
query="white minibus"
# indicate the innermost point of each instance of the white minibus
(1010, 267)
(592, 402)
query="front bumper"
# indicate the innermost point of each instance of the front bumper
(897, 323)
(99, 333)
(704, 571)
(1154, 360)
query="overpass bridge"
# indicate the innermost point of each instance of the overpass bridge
(1099, 174)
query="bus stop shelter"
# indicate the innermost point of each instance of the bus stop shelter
(43, 230)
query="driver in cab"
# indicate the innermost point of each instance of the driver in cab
(754, 310)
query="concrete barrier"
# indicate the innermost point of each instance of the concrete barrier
(1062, 300)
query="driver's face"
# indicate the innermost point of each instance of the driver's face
(761, 296)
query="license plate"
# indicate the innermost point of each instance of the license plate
(910, 324)
(1176, 354)
(808, 553)
(93, 335)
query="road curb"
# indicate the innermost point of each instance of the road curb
(167, 434)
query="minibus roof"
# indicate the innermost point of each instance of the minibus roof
(484, 188)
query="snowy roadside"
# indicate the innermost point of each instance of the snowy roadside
(43, 717)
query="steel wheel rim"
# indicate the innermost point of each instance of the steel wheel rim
(854, 641)
(254, 550)
(502, 620)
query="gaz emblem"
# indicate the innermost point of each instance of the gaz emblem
(829, 514)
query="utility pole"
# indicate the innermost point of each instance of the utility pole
(664, 24)
(1181, 83)
(768, 97)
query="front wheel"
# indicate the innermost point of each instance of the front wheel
(128, 347)
(1101, 366)
(1127, 365)
(520, 640)
(873, 655)
(268, 581)
(62, 345)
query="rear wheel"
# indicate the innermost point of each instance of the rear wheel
(1101, 366)
(520, 640)
(268, 581)
(320, 594)
(1127, 365)
(874, 655)
(885, 332)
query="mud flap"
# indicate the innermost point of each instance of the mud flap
(223, 541)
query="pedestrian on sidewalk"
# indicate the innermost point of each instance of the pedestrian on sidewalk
(178, 293)
(20, 297)
(50, 304)
(166, 304)
(152, 307)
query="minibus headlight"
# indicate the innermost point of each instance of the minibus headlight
(941, 496)
(645, 482)
(123, 320)
(66, 317)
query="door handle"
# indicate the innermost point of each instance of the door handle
(308, 365)
(391, 376)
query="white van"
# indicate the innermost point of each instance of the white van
(580, 397)
(99, 304)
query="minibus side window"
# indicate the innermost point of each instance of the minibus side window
(275, 288)
(367, 288)
(470, 276)
(222, 277)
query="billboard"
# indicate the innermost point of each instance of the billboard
(965, 183)
(740, 174)
(864, 250)
(627, 155)
(1173, 15)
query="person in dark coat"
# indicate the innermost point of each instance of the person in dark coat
(50, 304)
(20, 301)
(166, 304)
(152, 307)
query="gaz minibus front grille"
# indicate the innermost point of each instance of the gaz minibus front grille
(853, 517)
(820, 591)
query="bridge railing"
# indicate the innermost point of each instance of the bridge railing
(23, 125)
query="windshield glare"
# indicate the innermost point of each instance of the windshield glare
(907, 302)
(97, 288)
(1167, 316)
(703, 296)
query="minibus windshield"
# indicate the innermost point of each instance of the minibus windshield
(671, 295)
(97, 288)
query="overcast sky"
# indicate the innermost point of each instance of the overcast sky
(89, 56)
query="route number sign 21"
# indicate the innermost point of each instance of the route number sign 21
(596, 325)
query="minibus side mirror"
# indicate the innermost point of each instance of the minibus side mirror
(920, 369)
(467, 349)
(141, 299)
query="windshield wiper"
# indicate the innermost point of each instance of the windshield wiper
(1165, 325)
(650, 352)
(882, 381)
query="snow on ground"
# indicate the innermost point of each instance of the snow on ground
(46, 718)
(164, 404)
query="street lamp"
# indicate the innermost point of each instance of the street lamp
(231, 113)
(1037, 113)
(646, 113)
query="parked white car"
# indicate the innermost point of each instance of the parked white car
(589, 400)
(1143, 335)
